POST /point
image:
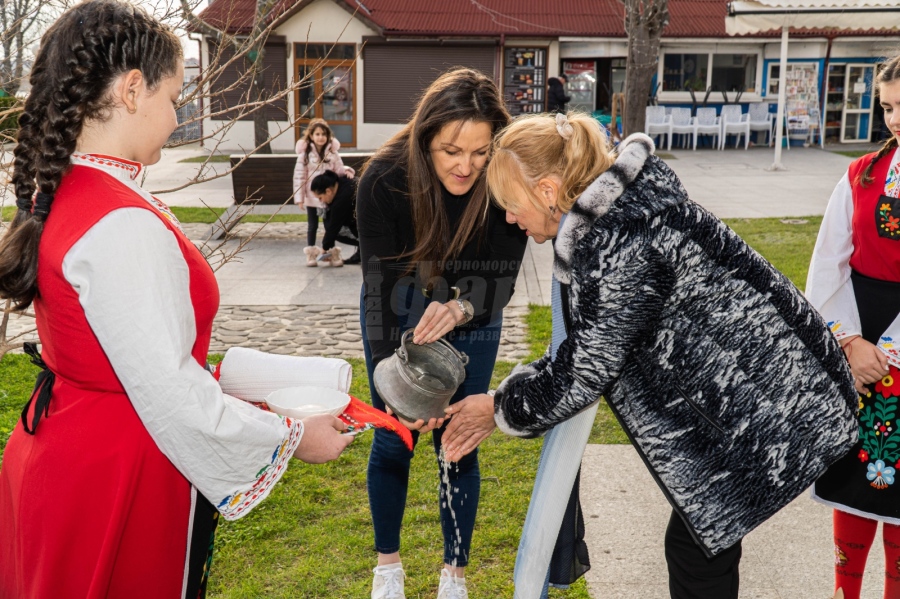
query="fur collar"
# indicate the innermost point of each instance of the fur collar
(597, 199)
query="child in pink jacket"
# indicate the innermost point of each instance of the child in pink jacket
(317, 152)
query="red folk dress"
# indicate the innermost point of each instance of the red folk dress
(98, 502)
(854, 281)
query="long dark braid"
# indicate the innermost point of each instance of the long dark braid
(81, 55)
(890, 71)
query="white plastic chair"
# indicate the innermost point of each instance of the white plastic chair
(658, 123)
(682, 124)
(734, 122)
(761, 119)
(707, 123)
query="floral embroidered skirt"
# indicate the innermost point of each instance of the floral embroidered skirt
(865, 481)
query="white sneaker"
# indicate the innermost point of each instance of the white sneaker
(388, 582)
(452, 587)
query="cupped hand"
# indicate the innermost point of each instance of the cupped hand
(867, 363)
(471, 422)
(322, 440)
(419, 425)
(438, 320)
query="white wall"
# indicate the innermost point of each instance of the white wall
(796, 49)
(878, 48)
(322, 22)
(592, 49)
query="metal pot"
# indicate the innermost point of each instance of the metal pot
(418, 381)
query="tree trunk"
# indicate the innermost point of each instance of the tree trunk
(644, 23)
(638, 80)
(258, 94)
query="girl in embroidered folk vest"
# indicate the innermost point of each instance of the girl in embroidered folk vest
(112, 483)
(317, 152)
(854, 281)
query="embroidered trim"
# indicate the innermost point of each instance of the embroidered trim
(165, 211)
(127, 171)
(891, 349)
(836, 328)
(892, 184)
(115, 166)
(239, 503)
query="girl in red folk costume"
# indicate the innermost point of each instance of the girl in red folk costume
(112, 483)
(854, 281)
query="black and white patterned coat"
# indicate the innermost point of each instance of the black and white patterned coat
(729, 383)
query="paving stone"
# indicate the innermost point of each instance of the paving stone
(349, 337)
(330, 322)
(328, 342)
(284, 351)
(238, 325)
(345, 345)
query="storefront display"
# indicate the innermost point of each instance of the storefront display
(525, 79)
(581, 85)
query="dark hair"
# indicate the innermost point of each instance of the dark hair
(321, 183)
(81, 54)
(307, 137)
(890, 71)
(459, 95)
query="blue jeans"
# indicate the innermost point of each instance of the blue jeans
(388, 474)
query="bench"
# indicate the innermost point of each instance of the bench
(265, 182)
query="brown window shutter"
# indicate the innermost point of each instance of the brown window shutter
(396, 75)
(274, 76)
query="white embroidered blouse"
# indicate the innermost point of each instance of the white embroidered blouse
(133, 283)
(828, 284)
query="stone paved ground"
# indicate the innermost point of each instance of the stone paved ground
(316, 330)
(325, 331)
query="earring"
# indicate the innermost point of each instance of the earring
(132, 110)
(552, 209)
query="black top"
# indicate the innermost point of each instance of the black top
(485, 271)
(556, 96)
(340, 213)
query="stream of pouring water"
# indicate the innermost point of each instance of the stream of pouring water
(446, 495)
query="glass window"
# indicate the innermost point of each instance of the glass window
(337, 94)
(306, 92)
(682, 72)
(326, 51)
(734, 72)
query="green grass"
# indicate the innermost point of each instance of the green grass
(313, 538)
(213, 158)
(209, 216)
(787, 246)
(200, 215)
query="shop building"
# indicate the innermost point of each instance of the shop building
(368, 61)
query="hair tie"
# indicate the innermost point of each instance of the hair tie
(24, 204)
(42, 203)
(563, 126)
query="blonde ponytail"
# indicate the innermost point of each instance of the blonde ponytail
(574, 148)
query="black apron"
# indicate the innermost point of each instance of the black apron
(866, 481)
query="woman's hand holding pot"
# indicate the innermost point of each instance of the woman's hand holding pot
(419, 425)
(438, 320)
(471, 422)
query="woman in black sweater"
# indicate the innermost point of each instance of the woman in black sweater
(437, 257)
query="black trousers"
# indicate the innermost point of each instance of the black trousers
(694, 576)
